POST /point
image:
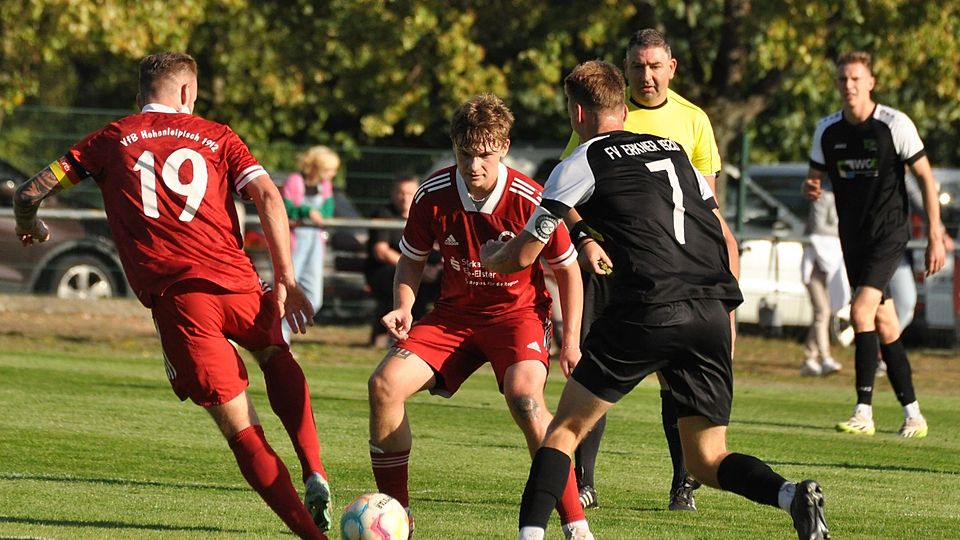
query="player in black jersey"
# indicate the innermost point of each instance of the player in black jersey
(863, 149)
(674, 291)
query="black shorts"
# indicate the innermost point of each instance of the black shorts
(872, 265)
(687, 341)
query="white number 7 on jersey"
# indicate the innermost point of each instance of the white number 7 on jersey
(193, 191)
(678, 210)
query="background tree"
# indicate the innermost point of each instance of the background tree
(390, 72)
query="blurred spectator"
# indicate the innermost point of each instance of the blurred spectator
(903, 285)
(308, 196)
(383, 252)
(826, 281)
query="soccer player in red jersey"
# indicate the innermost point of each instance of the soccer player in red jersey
(168, 179)
(481, 316)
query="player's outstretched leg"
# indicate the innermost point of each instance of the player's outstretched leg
(261, 467)
(289, 398)
(747, 476)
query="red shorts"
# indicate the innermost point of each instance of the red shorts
(455, 350)
(195, 318)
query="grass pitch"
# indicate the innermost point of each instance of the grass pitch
(93, 444)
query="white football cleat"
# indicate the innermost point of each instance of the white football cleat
(914, 427)
(858, 425)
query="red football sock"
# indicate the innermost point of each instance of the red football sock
(290, 400)
(266, 474)
(390, 472)
(568, 506)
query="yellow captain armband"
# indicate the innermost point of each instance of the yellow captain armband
(60, 169)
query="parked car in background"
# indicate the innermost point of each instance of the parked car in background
(80, 259)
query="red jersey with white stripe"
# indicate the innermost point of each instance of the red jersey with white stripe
(168, 181)
(443, 212)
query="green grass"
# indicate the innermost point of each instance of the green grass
(93, 444)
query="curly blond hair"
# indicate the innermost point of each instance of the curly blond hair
(316, 159)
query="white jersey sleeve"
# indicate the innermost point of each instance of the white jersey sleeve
(906, 139)
(571, 183)
(816, 146)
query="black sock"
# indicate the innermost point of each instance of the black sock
(668, 416)
(898, 371)
(548, 478)
(585, 456)
(751, 478)
(865, 362)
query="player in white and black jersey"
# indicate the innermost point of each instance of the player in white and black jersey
(674, 294)
(863, 149)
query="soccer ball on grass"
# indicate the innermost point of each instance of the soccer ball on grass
(374, 516)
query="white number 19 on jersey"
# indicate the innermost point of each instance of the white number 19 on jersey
(193, 191)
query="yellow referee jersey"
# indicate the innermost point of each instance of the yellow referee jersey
(676, 119)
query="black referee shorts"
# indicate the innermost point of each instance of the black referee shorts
(687, 341)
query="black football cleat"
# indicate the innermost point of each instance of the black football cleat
(588, 497)
(681, 496)
(807, 512)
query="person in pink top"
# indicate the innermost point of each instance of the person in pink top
(308, 197)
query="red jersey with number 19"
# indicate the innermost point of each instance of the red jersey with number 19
(168, 180)
(443, 212)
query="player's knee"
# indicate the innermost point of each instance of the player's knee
(382, 390)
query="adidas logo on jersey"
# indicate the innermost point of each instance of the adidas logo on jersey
(533, 345)
(451, 241)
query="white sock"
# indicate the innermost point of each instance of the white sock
(531, 533)
(911, 409)
(785, 498)
(864, 410)
(579, 524)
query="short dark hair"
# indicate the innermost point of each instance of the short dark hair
(855, 57)
(484, 121)
(158, 68)
(649, 37)
(596, 85)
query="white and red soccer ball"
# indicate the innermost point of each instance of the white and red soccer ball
(374, 516)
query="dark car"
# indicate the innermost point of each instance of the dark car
(80, 259)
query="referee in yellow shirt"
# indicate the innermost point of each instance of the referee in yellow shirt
(653, 108)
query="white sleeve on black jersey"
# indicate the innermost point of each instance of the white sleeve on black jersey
(572, 181)
(705, 190)
(816, 147)
(906, 139)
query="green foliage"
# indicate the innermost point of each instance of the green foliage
(390, 72)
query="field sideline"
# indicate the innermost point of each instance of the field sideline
(93, 444)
